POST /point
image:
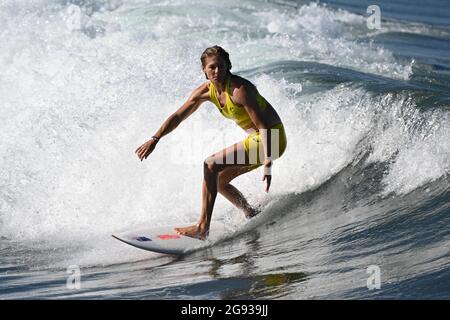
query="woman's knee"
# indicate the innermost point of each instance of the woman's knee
(210, 165)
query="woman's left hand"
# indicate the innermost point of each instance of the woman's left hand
(267, 175)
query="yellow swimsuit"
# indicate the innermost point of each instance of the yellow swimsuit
(252, 143)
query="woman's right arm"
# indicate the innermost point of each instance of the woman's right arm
(198, 96)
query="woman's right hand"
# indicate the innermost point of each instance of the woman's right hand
(144, 150)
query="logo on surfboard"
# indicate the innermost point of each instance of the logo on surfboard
(142, 239)
(168, 236)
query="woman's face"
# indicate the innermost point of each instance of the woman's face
(215, 69)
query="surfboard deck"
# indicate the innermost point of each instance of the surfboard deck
(166, 240)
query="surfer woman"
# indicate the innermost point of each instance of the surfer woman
(239, 100)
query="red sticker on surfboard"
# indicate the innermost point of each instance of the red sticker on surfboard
(168, 236)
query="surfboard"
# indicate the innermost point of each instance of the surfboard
(166, 240)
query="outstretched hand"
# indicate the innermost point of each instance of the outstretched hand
(267, 175)
(144, 150)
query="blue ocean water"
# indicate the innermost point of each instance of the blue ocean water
(359, 206)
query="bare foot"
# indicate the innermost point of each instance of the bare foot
(193, 231)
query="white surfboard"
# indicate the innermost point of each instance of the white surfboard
(167, 240)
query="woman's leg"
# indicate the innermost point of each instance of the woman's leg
(233, 157)
(231, 193)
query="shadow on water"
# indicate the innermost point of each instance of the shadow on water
(234, 273)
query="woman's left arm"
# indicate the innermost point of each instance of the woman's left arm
(246, 95)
